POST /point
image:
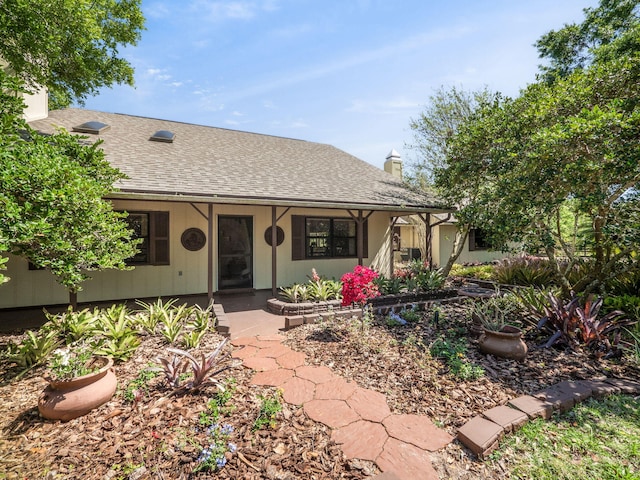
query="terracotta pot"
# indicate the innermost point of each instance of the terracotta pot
(506, 343)
(69, 399)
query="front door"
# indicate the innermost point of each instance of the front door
(235, 252)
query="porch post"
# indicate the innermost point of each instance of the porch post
(392, 224)
(210, 254)
(360, 235)
(274, 250)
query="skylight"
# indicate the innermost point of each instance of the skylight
(163, 136)
(93, 127)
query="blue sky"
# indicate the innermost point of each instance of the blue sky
(350, 73)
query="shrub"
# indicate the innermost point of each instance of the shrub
(358, 286)
(481, 272)
(578, 325)
(525, 270)
(317, 289)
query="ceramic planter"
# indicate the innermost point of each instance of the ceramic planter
(507, 343)
(69, 399)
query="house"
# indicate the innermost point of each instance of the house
(409, 241)
(224, 210)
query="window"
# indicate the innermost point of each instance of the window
(477, 240)
(153, 229)
(325, 237)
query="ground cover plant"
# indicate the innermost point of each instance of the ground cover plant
(153, 428)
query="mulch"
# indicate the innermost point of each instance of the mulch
(159, 436)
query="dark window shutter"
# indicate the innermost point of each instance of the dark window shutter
(159, 238)
(472, 239)
(365, 238)
(297, 237)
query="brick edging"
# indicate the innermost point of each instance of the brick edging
(223, 326)
(483, 433)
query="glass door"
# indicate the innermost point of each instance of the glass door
(235, 252)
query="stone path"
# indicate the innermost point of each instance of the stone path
(360, 419)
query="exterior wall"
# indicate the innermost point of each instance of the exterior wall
(187, 272)
(443, 243)
(37, 105)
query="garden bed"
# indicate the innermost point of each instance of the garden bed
(160, 435)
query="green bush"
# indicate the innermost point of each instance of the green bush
(481, 272)
(525, 270)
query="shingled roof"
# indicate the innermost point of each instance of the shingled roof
(211, 164)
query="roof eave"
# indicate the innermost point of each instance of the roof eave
(280, 202)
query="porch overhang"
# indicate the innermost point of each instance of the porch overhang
(398, 210)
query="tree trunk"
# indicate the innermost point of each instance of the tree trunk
(462, 233)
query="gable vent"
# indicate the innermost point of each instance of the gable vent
(163, 136)
(92, 127)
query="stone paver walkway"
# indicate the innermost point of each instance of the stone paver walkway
(360, 419)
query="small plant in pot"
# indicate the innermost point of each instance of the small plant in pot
(79, 381)
(499, 338)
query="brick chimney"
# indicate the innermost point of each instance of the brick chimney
(393, 165)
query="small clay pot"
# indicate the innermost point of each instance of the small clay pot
(507, 343)
(69, 399)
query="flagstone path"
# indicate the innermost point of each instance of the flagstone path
(360, 419)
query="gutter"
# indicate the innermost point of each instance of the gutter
(192, 198)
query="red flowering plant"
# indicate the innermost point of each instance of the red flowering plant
(358, 286)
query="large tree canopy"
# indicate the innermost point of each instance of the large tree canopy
(69, 46)
(52, 210)
(573, 140)
(433, 130)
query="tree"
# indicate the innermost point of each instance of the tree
(52, 210)
(432, 133)
(609, 31)
(69, 46)
(571, 139)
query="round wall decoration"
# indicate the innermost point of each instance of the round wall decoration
(193, 239)
(279, 236)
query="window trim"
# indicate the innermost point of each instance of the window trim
(300, 247)
(159, 238)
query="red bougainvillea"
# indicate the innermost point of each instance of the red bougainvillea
(358, 286)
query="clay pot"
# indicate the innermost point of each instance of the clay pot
(506, 343)
(69, 399)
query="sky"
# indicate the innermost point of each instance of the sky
(350, 73)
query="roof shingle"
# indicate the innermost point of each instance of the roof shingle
(215, 162)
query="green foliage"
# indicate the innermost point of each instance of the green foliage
(73, 361)
(481, 272)
(73, 325)
(389, 286)
(52, 191)
(317, 289)
(139, 386)
(34, 348)
(453, 352)
(71, 47)
(218, 405)
(117, 337)
(513, 165)
(596, 439)
(270, 406)
(495, 313)
(525, 270)
(532, 300)
(153, 313)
